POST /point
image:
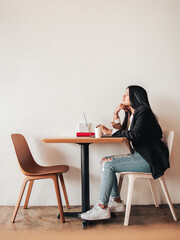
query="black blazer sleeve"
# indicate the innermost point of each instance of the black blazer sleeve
(139, 126)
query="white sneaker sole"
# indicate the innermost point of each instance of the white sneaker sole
(91, 218)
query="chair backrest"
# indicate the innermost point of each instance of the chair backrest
(24, 156)
(168, 137)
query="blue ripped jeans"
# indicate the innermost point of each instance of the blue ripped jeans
(127, 163)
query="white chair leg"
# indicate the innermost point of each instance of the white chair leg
(151, 185)
(121, 177)
(129, 198)
(165, 190)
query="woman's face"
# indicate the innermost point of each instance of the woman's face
(125, 99)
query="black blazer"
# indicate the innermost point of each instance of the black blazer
(145, 135)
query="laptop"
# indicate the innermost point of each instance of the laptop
(92, 136)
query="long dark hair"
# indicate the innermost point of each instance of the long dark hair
(137, 97)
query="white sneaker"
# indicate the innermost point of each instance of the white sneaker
(116, 207)
(96, 213)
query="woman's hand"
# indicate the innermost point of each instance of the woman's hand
(121, 107)
(105, 130)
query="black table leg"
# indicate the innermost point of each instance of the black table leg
(85, 176)
(84, 182)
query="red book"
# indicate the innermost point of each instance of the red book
(84, 134)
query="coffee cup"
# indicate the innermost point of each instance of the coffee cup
(98, 132)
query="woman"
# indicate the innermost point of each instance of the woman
(148, 152)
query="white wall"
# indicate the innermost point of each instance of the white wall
(59, 58)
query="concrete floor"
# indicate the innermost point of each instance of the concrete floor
(146, 222)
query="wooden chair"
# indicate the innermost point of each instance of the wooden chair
(34, 171)
(168, 137)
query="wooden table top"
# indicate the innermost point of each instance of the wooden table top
(83, 140)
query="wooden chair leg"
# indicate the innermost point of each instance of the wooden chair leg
(151, 185)
(19, 200)
(28, 194)
(129, 199)
(64, 190)
(56, 185)
(165, 190)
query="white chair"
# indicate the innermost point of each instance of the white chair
(168, 137)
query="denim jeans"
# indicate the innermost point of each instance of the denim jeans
(127, 163)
